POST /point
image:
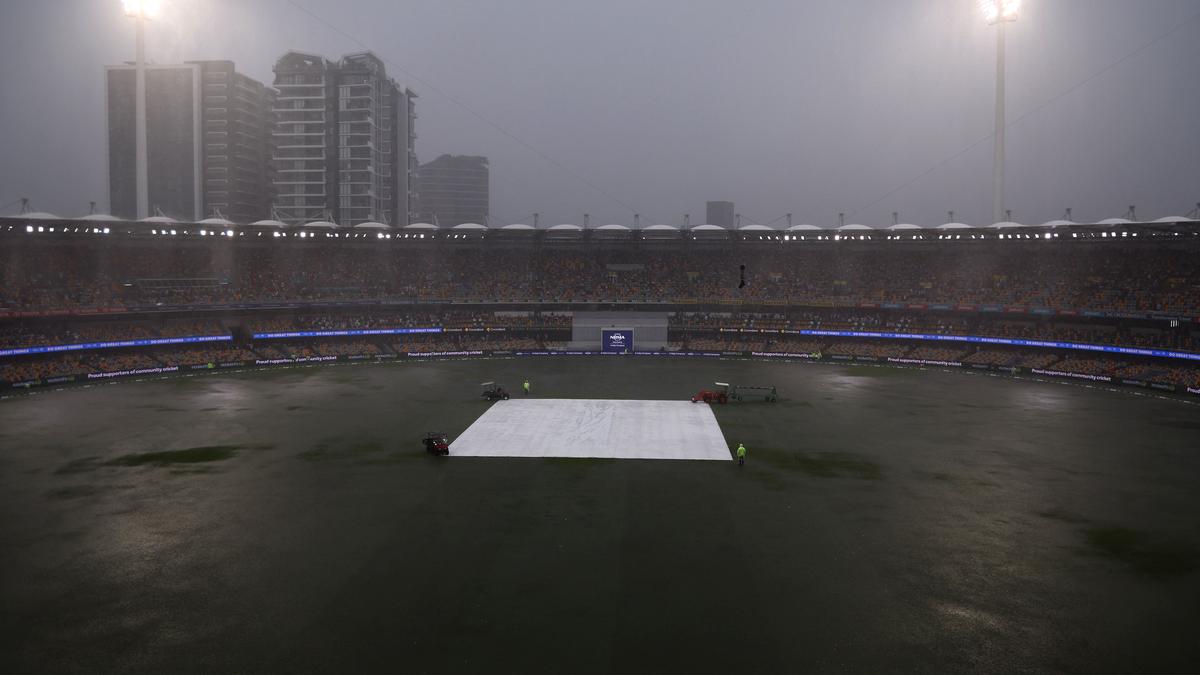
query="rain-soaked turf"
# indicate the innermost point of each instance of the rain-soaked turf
(887, 520)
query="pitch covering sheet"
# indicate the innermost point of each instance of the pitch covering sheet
(594, 428)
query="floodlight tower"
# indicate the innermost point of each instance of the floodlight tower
(141, 10)
(999, 13)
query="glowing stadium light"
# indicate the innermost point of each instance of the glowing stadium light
(173, 233)
(29, 229)
(106, 230)
(1000, 10)
(1047, 235)
(147, 9)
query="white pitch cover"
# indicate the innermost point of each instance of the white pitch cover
(540, 427)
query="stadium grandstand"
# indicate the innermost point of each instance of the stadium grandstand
(1115, 301)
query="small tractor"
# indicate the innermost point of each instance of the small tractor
(718, 395)
(493, 391)
(437, 443)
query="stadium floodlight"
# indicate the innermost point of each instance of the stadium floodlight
(144, 8)
(999, 13)
(1000, 10)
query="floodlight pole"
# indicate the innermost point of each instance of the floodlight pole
(998, 160)
(143, 182)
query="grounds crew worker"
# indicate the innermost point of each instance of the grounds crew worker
(526, 386)
(741, 453)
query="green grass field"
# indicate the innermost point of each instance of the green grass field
(886, 520)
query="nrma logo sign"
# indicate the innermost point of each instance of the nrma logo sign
(618, 341)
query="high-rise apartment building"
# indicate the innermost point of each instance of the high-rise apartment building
(207, 141)
(344, 141)
(720, 213)
(454, 190)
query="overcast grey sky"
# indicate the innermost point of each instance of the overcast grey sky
(779, 105)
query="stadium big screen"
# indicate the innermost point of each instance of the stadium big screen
(616, 341)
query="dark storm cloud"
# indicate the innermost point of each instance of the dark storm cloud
(781, 106)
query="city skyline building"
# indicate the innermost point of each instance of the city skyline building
(208, 141)
(720, 214)
(344, 141)
(455, 189)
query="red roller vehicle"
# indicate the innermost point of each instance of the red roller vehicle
(719, 395)
(437, 443)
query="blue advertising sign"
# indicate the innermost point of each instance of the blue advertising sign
(616, 341)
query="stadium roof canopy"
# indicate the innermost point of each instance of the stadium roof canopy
(708, 228)
(38, 215)
(469, 226)
(1004, 225)
(955, 226)
(159, 219)
(215, 221)
(613, 227)
(565, 227)
(268, 223)
(661, 228)
(371, 225)
(1173, 219)
(805, 228)
(855, 227)
(518, 227)
(756, 228)
(323, 224)
(905, 226)
(420, 226)
(1057, 223)
(100, 218)
(1114, 221)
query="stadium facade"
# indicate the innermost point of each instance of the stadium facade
(344, 141)
(208, 139)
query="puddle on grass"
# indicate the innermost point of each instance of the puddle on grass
(206, 453)
(1148, 555)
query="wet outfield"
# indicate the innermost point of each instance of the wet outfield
(887, 520)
